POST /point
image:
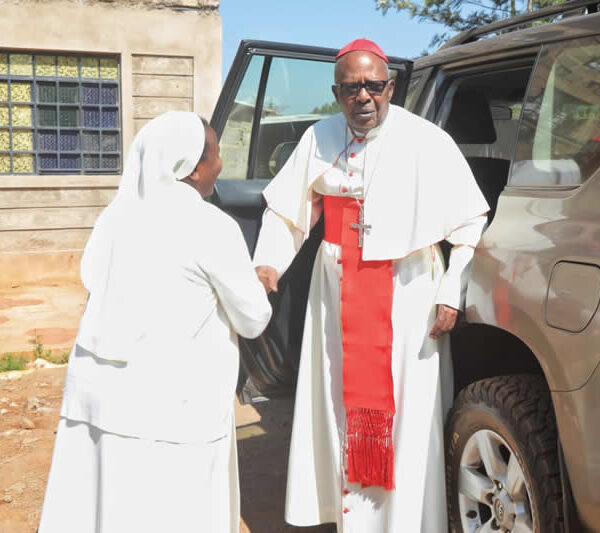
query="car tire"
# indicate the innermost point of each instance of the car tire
(502, 467)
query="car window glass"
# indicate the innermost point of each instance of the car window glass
(481, 112)
(235, 139)
(298, 93)
(485, 113)
(559, 138)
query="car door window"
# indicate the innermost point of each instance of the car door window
(559, 138)
(481, 112)
(298, 93)
(235, 139)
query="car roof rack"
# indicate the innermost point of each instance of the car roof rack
(499, 26)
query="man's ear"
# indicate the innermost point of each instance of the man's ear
(390, 88)
(335, 95)
(195, 175)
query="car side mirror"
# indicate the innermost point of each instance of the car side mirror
(280, 155)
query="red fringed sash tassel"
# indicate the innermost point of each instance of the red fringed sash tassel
(366, 294)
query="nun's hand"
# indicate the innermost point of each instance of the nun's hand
(268, 277)
(444, 321)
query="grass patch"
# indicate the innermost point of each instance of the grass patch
(11, 361)
(57, 357)
(39, 352)
(19, 361)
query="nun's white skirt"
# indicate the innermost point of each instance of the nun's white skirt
(106, 483)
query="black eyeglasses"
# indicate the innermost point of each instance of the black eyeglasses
(373, 87)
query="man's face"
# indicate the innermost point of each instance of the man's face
(365, 110)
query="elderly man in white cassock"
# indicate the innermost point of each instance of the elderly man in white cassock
(374, 381)
(146, 439)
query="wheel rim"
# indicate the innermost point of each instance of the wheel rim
(493, 492)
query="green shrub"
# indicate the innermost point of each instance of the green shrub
(10, 361)
(38, 349)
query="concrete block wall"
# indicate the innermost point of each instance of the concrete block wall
(161, 83)
(170, 59)
(235, 159)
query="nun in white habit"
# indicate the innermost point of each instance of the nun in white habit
(146, 436)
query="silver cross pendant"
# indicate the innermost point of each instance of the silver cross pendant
(361, 226)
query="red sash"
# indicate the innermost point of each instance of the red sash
(366, 308)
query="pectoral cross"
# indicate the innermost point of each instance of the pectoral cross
(361, 226)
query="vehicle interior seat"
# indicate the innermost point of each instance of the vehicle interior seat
(280, 155)
(277, 138)
(470, 122)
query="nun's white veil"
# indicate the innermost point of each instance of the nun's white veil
(165, 150)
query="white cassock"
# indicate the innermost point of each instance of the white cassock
(417, 190)
(146, 437)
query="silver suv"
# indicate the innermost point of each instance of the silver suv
(522, 100)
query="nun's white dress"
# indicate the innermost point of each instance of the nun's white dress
(146, 438)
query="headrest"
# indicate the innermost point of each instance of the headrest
(470, 120)
(280, 155)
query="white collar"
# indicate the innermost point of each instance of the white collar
(371, 134)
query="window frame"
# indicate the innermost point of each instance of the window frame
(37, 81)
(445, 80)
(422, 88)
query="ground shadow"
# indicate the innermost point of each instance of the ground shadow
(263, 469)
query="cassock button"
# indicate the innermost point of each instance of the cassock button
(344, 189)
(360, 139)
(346, 491)
(352, 154)
(346, 510)
(350, 173)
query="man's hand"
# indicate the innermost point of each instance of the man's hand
(444, 322)
(268, 277)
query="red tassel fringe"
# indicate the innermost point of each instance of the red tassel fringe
(370, 447)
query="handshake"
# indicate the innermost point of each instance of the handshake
(268, 277)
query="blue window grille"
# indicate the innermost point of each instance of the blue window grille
(59, 113)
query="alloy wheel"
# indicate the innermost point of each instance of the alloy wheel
(494, 496)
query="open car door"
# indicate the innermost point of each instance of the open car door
(272, 94)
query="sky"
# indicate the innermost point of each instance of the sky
(329, 23)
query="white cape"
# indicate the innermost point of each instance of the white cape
(416, 178)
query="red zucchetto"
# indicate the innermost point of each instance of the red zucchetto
(362, 45)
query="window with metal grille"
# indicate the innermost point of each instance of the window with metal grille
(59, 114)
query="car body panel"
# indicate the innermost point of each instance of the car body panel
(577, 417)
(532, 232)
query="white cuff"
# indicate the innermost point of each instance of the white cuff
(278, 243)
(453, 286)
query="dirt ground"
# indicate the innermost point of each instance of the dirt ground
(29, 407)
(30, 402)
(48, 313)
